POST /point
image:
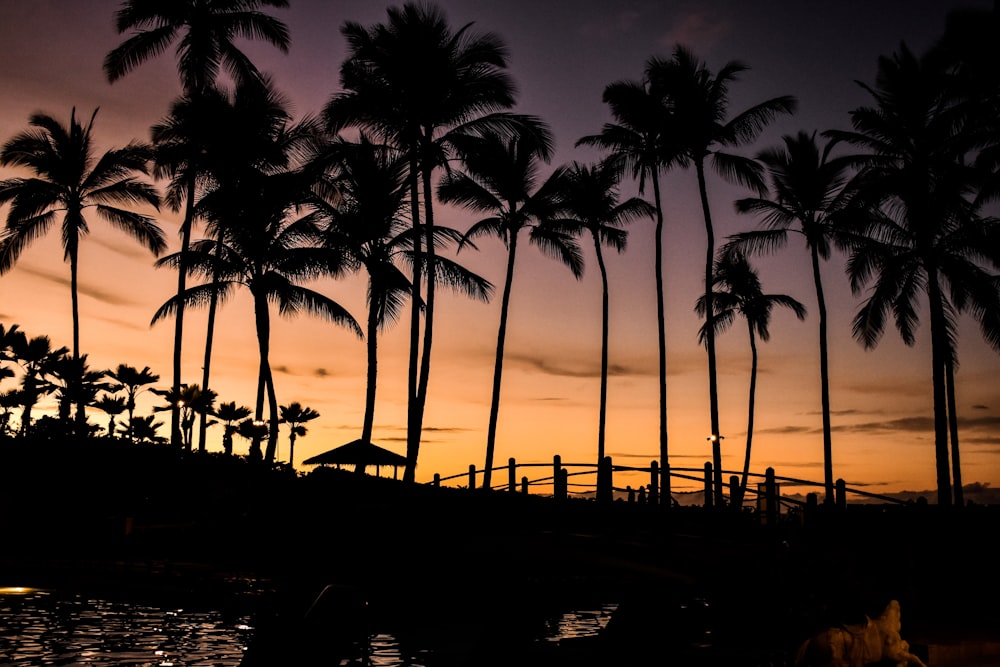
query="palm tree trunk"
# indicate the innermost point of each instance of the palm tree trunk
(213, 305)
(713, 388)
(750, 413)
(412, 429)
(369, 422)
(661, 327)
(956, 466)
(291, 448)
(824, 375)
(263, 325)
(272, 406)
(491, 434)
(605, 316)
(939, 355)
(74, 384)
(175, 417)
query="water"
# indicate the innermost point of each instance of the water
(41, 628)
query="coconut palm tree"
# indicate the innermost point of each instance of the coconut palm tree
(112, 406)
(267, 254)
(501, 181)
(364, 223)
(231, 415)
(738, 292)
(642, 142)
(590, 204)
(76, 385)
(38, 361)
(190, 401)
(413, 81)
(699, 104)
(68, 179)
(133, 382)
(806, 197)
(296, 415)
(204, 31)
(925, 234)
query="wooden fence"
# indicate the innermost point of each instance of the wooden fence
(766, 491)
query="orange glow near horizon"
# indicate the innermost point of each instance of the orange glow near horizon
(881, 399)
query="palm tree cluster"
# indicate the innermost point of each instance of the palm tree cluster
(424, 115)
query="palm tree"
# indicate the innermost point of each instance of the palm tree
(699, 105)
(143, 430)
(204, 31)
(68, 180)
(501, 182)
(412, 82)
(295, 415)
(231, 415)
(807, 195)
(924, 234)
(133, 382)
(590, 204)
(38, 361)
(113, 406)
(210, 139)
(642, 142)
(267, 254)
(190, 401)
(738, 292)
(76, 385)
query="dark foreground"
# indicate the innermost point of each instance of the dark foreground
(473, 574)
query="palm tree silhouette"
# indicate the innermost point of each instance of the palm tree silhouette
(363, 222)
(412, 82)
(267, 253)
(68, 180)
(77, 385)
(204, 31)
(112, 406)
(295, 415)
(699, 103)
(231, 415)
(737, 292)
(925, 233)
(807, 195)
(132, 381)
(590, 204)
(38, 361)
(642, 141)
(501, 181)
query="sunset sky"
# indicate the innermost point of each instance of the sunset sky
(562, 55)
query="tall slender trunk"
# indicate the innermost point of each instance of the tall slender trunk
(956, 466)
(175, 417)
(272, 406)
(750, 413)
(412, 429)
(263, 326)
(213, 305)
(372, 343)
(939, 355)
(491, 434)
(824, 377)
(661, 330)
(713, 388)
(605, 316)
(75, 383)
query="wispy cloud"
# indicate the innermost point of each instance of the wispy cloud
(701, 26)
(85, 288)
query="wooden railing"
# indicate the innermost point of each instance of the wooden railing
(767, 492)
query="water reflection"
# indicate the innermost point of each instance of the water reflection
(41, 628)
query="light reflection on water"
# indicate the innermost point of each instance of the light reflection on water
(40, 628)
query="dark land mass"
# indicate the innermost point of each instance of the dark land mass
(474, 576)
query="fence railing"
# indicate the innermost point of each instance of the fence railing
(766, 491)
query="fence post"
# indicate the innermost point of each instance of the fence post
(556, 467)
(654, 484)
(770, 497)
(605, 487)
(524, 485)
(708, 485)
(840, 493)
(472, 476)
(437, 479)
(511, 475)
(735, 493)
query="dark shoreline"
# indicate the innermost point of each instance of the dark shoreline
(107, 516)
